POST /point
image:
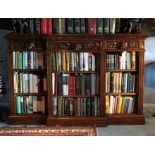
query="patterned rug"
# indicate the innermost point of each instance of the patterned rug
(47, 131)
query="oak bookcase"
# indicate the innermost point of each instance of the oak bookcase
(100, 46)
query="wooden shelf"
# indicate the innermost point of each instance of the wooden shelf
(29, 70)
(81, 96)
(30, 94)
(121, 70)
(81, 72)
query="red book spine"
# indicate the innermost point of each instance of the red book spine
(71, 85)
(91, 25)
(43, 25)
(49, 26)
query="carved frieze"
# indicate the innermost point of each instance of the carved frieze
(114, 44)
(76, 46)
(27, 45)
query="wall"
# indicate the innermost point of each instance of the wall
(149, 76)
(4, 101)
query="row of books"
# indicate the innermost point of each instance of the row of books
(1, 84)
(49, 26)
(30, 104)
(28, 60)
(29, 83)
(75, 84)
(120, 104)
(124, 60)
(65, 60)
(120, 82)
(75, 106)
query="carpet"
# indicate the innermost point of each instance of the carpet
(48, 131)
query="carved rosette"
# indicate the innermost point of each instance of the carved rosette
(75, 46)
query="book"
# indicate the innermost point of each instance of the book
(43, 26)
(56, 26)
(91, 25)
(77, 24)
(49, 26)
(83, 25)
(62, 26)
(37, 26)
(99, 25)
(112, 25)
(106, 25)
(69, 25)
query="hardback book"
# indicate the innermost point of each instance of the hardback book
(62, 26)
(49, 26)
(44, 26)
(99, 25)
(37, 25)
(31, 25)
(77, 25)
(91, 25)
(112, 25)
(69, 25)
(88, 84)
(83, 25)
(56, 26)
(106, 25)
(54, 106)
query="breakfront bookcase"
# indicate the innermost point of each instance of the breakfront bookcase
(76, 79)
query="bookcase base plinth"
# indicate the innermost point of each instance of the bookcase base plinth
(125, 119)
(76, 121)
(31, 120)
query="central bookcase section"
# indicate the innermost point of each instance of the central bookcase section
(74, 86)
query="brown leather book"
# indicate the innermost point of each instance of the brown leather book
(91, 25)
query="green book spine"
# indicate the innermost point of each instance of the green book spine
(20, 60)
(18, 105)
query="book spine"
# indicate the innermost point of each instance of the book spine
(43, 26)
(91, 25)
(37, 26)
(77, 25)
(106, 25)
(83, 25)
(49, 26)
(69, 25)
(112, 25)
(56, 25)
(99, 25)
(18, 105)
(31, 25)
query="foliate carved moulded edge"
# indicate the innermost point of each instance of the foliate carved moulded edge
(76, 46)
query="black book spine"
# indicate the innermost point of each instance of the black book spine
(56, 26)
(87, 84)
(69, 25)
(83, 25)
(37, 26)
(99, 25)
(77, 25)
(31, 26)
(106, 25)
